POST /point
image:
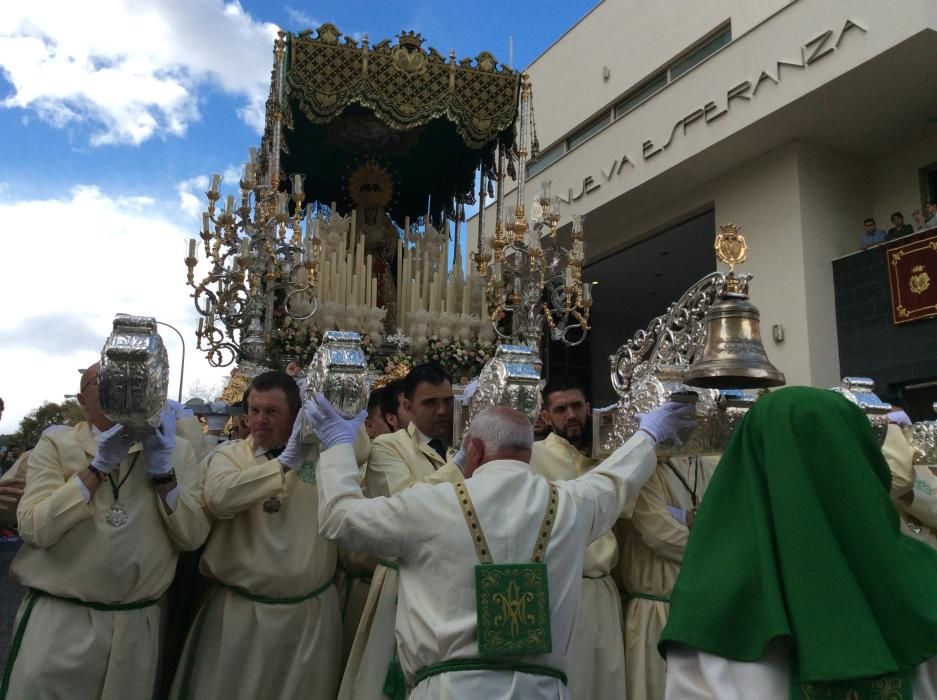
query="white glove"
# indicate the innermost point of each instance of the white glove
(179, 410)
(113, 446)
(678, 514)
(158, 446)
(666, 422)
(294, 454)
(331, 427)
(469, 391)
(899, 417)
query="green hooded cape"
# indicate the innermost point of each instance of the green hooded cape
(797, 538)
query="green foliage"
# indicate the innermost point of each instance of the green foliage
(66, 413)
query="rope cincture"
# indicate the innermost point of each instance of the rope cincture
(481, 664)
(34, 595)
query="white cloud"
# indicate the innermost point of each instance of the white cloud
(134, 71)
(72, 263)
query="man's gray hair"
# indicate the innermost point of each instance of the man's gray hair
(501, 428)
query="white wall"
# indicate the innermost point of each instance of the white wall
(835, 197)
(633, 38)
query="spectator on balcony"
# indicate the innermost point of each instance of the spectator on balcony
(873, 234)
(899, 227)
(929, 218)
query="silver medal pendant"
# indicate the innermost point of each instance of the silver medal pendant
(115, 515)
(272, 505)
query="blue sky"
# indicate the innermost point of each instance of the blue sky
(110, 129)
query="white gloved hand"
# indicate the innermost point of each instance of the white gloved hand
(294, 454)
(179, 410)
(331, 427)
(458, 458)
(666, 422)
(113, 446)
(678, 514)
(469, 392)
(158, 446)
(899, 417)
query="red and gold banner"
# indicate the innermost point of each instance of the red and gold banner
(912, 276)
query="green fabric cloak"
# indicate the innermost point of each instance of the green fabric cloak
(797, 538)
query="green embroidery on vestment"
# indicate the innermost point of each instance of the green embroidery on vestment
(307, 473)
(513, 604)
(880, 688)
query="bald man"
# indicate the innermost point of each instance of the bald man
(102, 519)
(447, 536)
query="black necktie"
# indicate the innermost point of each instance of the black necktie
(274, 453)
(439, 447)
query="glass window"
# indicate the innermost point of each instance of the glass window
(700, 54)
(547, 157)
(589, 131)
(636, 97)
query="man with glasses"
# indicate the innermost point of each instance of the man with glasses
(103, 517)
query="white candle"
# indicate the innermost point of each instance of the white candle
(229, 205)
(215, 183)
(191, 247)
(298, 183)
(354, 287)
(354, 224)
(206, 223)
(374, 292)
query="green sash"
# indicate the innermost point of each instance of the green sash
(512, 601)
(34, 595)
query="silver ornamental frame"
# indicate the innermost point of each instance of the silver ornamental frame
(133, 380)
(339, 370)
(510, 378)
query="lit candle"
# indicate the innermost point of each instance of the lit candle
(191, 247)
(215, 183)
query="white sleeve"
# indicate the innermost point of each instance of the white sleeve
(696, 675)
(613, 485)
(374, 525)
(85, 493)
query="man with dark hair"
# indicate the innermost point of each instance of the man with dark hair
(271, 624)
(596, 650)
(375, 423)
(399, 459)
(898, 227)
(872, 235)
(392, 408)
(929, 218)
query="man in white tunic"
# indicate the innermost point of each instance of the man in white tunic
(596, 652)
(270, 627)
(102, 519)
(420, 452)
(504, 513)
(653, 540)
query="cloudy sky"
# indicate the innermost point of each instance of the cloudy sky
(113, 113)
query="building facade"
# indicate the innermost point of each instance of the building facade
(795, 120)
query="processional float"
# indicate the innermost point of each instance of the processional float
(394, 135)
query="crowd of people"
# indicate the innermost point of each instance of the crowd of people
(873, 235)
(381, 561)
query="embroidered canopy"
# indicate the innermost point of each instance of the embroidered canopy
(428, 120)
